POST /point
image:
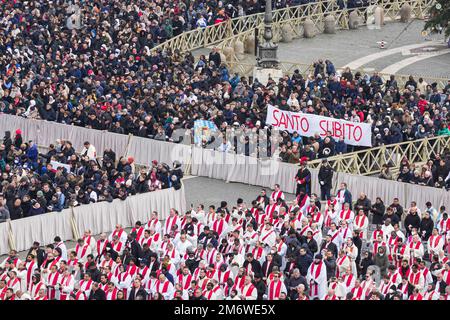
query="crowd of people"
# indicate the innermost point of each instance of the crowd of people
(104, 76)
(435, 173)
(270, 249)
(33, 183)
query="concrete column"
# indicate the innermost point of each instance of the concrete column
(308, 29)
(330, 25)
(228, 52)
(353, 20)
(249, 45)
(239, 49)
(405, 13)
(286, 33)
(379, 17)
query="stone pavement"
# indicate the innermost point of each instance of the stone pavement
(346, 46)
(202, 190)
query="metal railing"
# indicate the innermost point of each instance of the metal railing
(241, 27)
(370, 161)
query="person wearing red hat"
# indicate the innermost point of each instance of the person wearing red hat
(303, 178)
(18, 139)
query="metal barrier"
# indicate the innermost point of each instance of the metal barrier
(293, 16)
(370, 161)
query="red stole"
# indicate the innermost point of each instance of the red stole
(267, 235)
(170, 222)
(274, 290)
(345, 214)
(415, 246)
(315, 272)
(65, 281)
(117, 246)
(111, 294)
(339, 262)
(101, 247)
(276, 195)
(359, 222)
(434, 241)
(34, 289)
(376, 233)
(30, 268)
(132, 269)
(257, 253)
(83, 250)
(223, 276)
(247, 292)
(270, 209)
(117, 233)
(53, 279)
(336, 233)
(266, 272)
(85, 285)
(348, 280)
(218, 226)
(357, 293)
(185, 281)
(165, 286)
(279, 246)
(72, 262)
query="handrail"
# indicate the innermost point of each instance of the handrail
(204, 37)
(370, 161)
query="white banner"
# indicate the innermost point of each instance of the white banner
(355, 133)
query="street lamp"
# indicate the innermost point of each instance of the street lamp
(267, 60)
(267, 53)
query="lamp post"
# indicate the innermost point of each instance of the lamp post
(267, 53)
(267, 65)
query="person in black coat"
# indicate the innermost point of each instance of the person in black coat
(312, 244)
(256, 266)
(303, 178)
(97, 293)
(358, 243)
(363, 203)
(137, 292)
(377, 210)
(303, 262)
(391, 215)
(268, 265)
(214, 56)
(263, 199)
(366, 261)
(412, 221)
(330, 263)
(291, 264)
(94, 272)
(133, 246)
(327, 244)
(426, 227)
(198, 295)
(293, 282)
(37, 252)
(325, 180)
(260, 286)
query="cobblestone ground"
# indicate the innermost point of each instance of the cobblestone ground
(348, 45)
